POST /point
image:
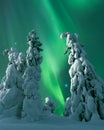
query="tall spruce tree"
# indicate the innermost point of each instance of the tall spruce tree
(32, 104)
(87, 89)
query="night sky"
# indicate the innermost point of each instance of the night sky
(50, 18)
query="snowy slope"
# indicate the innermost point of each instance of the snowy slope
(50, 123)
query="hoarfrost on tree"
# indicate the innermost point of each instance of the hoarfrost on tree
(19, 88)
(67, 111)
(49, 106)
(87, 89)
(11, 94)
(32, 104)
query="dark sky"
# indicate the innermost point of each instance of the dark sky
(50, 18)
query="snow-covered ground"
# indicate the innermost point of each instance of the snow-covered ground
(50, 123)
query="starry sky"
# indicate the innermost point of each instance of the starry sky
(50, 18)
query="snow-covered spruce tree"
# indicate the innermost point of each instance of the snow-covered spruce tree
(87, 89)
(11, 93)
(49, 106)
(67, 110)
(32, 104)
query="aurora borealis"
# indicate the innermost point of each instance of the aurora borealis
(50, 18)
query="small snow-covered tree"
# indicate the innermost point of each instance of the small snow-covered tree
(87, 89)
(32, 104)
(67, 110)
(11, 93)
(49, 106)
